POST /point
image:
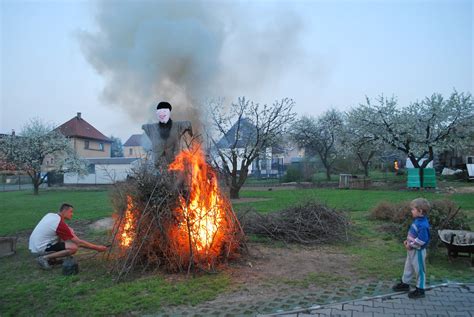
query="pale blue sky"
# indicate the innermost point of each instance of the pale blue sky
(345, 50)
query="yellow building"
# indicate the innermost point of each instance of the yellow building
(87, 141)
(133, 147)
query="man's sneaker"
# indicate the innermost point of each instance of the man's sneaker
(401, 287)
(43, 263)
(418, 293)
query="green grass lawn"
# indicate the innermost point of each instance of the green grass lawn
(21, 210)
(26, 290)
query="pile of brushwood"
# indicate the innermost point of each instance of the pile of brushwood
(148, 230)
(309, 223)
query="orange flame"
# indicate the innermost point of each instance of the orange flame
(202, 215)
(127, 232)
(202, 227)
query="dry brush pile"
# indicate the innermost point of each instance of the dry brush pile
(161, 224)
(308, 223)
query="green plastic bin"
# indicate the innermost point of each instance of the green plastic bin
(413, 180)
(429, 178)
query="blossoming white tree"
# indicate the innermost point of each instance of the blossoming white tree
(419, 129)
(36, 142)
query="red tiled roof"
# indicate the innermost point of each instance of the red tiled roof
(78, 127)
(134, 140)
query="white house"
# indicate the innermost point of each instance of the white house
(103, 171)
(269, 163)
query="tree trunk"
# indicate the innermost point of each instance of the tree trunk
(365, 163)
(234, 192)
(328, 173)
(35, 188)
(326, 165)
(366, 169)
(36, 181)
(421, 176)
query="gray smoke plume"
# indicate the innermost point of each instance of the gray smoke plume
(185, 52)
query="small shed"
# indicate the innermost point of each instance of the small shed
(345, 181)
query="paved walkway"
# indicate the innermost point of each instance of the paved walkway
(442, 300)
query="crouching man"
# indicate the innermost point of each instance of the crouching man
(52, 238)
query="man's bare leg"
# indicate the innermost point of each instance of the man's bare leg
(71, 248)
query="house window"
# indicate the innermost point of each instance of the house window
(86, 144)
(91, 169)
(101, 146)
(130, 151)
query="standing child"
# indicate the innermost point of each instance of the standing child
(416, 243)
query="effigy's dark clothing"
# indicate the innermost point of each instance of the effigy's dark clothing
(167, 139)
(165, 129)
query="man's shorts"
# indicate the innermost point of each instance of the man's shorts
(59, 246)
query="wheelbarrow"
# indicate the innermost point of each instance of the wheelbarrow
(458, 242)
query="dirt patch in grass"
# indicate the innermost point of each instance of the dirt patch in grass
(271, 272)
(269, 263)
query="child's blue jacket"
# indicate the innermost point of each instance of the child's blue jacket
(419, 233)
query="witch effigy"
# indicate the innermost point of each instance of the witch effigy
(167, 137)
(173, 214)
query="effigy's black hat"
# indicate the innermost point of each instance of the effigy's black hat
(163, 105)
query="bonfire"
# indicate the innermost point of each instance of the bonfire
(175, 218)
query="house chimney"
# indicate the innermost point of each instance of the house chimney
(78, 115)
(13, 132)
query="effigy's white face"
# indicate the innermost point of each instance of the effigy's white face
(163, 115)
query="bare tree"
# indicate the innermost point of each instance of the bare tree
(421, 128)
(244, 131)
(36, 142)
(320, 136)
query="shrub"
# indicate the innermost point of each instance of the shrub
(293, 174)
(394, 212)
(444, 214)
